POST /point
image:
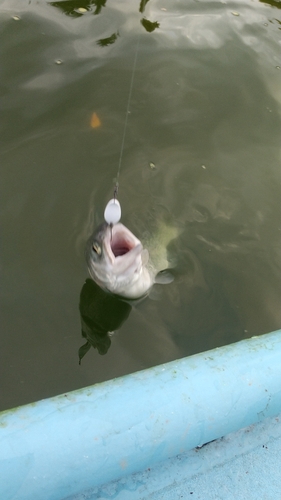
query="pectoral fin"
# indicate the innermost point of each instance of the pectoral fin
(164, 277)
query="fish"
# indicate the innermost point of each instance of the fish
(118, 262)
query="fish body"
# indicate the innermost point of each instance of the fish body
(118, 263)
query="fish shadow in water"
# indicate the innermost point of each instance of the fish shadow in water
(101, 313)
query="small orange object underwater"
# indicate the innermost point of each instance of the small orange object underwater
(95, 121)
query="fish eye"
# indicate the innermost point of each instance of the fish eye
(97, 248)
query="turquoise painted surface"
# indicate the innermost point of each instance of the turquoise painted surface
(84, 439)
(243, 465)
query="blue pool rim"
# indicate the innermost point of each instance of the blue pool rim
(58, 447)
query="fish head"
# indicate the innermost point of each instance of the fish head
(117, 261)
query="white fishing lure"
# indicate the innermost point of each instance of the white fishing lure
(112, 213)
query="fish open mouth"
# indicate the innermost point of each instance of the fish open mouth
(121, 243)
(119, 246)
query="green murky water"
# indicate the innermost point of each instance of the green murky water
(202, 146)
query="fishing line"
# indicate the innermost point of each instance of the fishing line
(112, 213)
(126, 118)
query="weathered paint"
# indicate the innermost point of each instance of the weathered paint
(60, 446)
(244, 465)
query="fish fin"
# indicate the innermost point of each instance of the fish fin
(164, 277)
(83, 350)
